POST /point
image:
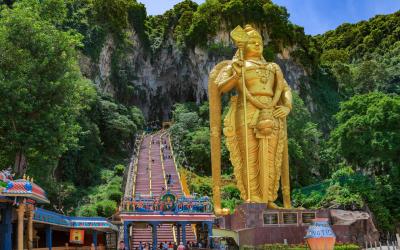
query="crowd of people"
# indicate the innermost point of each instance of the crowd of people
(166, 245)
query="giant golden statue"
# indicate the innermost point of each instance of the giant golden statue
(255, 125)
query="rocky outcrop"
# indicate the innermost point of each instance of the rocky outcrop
(170, 74)
(359, 224)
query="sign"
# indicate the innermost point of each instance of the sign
(76, 236)
(111, 241)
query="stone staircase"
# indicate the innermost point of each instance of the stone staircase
(170, 168)
(155, 161)
(144, 235)
(142, 184)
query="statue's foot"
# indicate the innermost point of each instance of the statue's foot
(272, 205)
(255, 199)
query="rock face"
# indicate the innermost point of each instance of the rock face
(360, 227)
(257, 225)
(171, 73)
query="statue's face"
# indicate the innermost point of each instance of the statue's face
(254, 48)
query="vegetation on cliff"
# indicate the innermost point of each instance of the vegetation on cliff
(55, 125)
(354, 41)
(342, 132)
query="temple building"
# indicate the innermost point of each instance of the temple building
(24, 225)
(157, 206)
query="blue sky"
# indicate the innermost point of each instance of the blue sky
(316, 16)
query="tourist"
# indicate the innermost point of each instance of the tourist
(216, 244)
(181, 246)
(165, 246)
(168, 179)
(170, 246)
(121, 245)
(222, 246)
(140, 245)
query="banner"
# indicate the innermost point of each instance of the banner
(76, 236)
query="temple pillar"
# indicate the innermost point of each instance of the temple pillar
(178, 231)
(126, 235)
(30, 227)
(94, 239)
(209, 232)
(49, 237)
(154, 234)
(5, 236)
(20, 232)
(183, 224)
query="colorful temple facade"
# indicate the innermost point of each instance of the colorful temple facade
(23, 225)
(157, 206)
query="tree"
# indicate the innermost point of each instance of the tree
(42, 89)
(304, 144)
(347, 189)
(368, 132)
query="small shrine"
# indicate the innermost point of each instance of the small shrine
(167, 202)
(19, 200)
(167, 208)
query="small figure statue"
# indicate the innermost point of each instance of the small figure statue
(255, 126)
(5, 178)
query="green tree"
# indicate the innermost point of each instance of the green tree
(113, 13)
(304, 140)
(347, 189)
(102, 200)
(42, 89)
(368, 132)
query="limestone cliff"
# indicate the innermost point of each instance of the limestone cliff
(172, 73)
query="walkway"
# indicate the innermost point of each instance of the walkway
(155, 162)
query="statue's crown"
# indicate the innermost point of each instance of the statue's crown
(251, 31)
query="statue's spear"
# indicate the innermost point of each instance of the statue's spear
(240, 38)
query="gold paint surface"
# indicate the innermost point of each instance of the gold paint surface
(255, 126)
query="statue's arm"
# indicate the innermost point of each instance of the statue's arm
(227, 79)
(286, 96)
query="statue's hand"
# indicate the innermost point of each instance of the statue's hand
(281, 111)
(237, 67)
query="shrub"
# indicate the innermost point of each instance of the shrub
(106, 208)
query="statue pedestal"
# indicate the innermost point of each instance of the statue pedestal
(257, 225)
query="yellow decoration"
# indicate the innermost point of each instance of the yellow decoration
(76, 236)
(255, 125)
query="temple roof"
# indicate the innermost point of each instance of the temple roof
(26, 189)
(49, 217)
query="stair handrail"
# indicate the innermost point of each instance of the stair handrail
(162, 162)
(150, 165)
(135, 170)
(176, 167)
(128, 178)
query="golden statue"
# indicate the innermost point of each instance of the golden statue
(255, 125)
